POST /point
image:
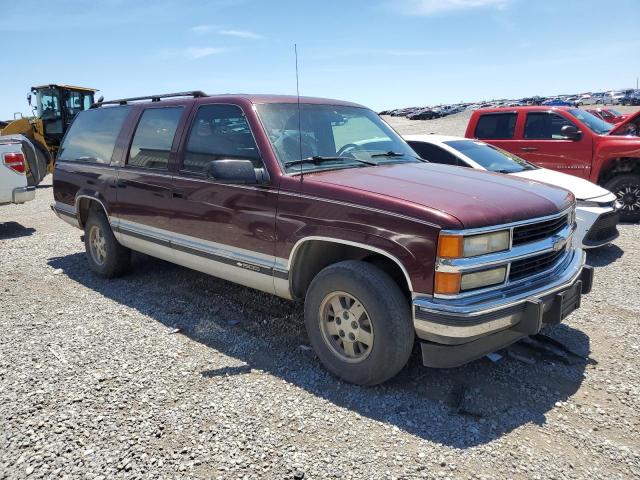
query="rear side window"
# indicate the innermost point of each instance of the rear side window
(435, 154)
(92, 136)
(219, 132)
(496, 126)
(152, 141)
(545, 126)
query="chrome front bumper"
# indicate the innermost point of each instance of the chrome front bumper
(454, 332)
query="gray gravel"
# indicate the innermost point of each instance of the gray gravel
(170, 373)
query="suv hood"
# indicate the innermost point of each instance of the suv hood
(619, 126)
(475, 198)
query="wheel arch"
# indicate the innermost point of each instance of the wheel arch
(318, 252)
(611, 167)
(84, 204)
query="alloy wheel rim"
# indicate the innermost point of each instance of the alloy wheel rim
(629, 196)
(346, 327)
(97, 245)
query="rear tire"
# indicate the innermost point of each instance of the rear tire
(359, 322)
(106, 257)
(627, 189)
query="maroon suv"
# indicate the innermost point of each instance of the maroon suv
(321, 200)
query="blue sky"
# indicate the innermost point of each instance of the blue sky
(382, 53)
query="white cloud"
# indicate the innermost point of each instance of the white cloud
(432, 7)
(194, 53)
(240, 34)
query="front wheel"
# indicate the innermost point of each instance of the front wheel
(627, 189)
(106, 257)
(359, 322)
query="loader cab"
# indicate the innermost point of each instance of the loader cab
(57, 105)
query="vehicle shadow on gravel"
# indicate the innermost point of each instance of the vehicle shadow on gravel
(603, 256)
(461, 407)
(14, 230)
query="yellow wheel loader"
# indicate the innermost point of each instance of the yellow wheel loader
(54, 109)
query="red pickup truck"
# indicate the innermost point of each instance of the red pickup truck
(572, 141)
(321, 200)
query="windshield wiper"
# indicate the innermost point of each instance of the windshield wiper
(390, 153)
(318, 159)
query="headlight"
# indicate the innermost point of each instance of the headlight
(457, 246)
(453, 283)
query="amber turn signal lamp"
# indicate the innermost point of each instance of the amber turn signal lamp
(447, 283)
(450, 246)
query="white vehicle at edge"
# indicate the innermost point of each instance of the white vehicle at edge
(587, 99)
(14, 187)
(596, 211)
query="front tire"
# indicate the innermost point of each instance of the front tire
(627, 189)
(359, 322)
(106, 257)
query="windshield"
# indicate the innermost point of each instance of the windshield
(330, 136)
(48, 103)
(594, 123)
(489, 157)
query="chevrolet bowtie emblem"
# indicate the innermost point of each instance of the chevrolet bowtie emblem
(559, 243)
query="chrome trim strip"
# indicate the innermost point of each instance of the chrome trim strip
(505, 226)
(297, 245)
(79, 197)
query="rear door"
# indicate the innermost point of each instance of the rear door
(220, 228)
(142, 210)
(543, 144)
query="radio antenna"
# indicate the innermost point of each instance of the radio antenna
(295, 51)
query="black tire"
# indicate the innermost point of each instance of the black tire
(627, 189)
(117, 259)
(389, 319)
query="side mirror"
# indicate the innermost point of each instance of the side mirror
(236, 171)
(29, 99)
(571, 132)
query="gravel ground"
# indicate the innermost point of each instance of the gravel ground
(170, 373)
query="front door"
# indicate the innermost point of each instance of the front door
(223, 229)
(543, 144)
(144, 184)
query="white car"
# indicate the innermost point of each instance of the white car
(587, 99)
(14, 187)
(613, 98)
(596, 213)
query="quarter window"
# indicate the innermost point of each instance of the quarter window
(545, 126)
(152, 141)
(92, 136)
(219, 132)
(497, 126)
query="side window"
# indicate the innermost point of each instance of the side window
(92, 136)
(545, 126)
(152, 141)
(219, 132)
(435, 154)
(497, 126)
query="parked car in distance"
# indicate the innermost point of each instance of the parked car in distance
(570, 140)
(556, 102)
(596, 211)
(631, 98)
(21, 169)
(424, 114)
(321, 200)
(609, 115)
(613, 98)
(587, 99)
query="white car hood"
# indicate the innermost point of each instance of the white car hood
(582, 189)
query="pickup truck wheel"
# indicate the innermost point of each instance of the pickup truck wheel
(105, 255)
(359, 322)
(627, 189)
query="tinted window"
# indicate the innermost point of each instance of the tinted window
(490, 157)
(92, 136)
(435, 154)
(152, 141)
(545, 126)
(218, 132)
(496, 126)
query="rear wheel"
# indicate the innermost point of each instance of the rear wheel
(627, 189)
(106, 257)
(359, 322)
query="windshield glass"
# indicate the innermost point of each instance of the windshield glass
(594, 123)
(489, 157)
(341, 136)
(48, 103)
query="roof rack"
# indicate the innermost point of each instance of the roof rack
(153, 98)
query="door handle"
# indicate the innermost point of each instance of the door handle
(178, 193)
(529, 149)
(121, 183)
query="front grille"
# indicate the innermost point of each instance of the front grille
(533, 265)
(538, 231)
(604, 228)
